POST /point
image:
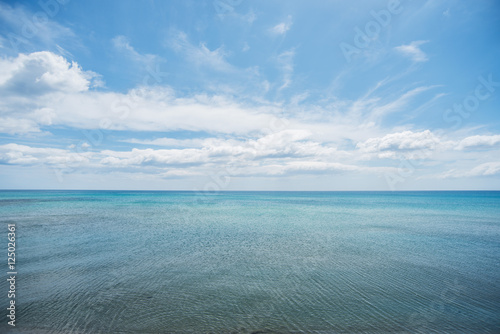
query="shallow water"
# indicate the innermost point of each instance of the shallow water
(244, 262)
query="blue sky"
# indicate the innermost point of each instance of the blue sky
(250, 95)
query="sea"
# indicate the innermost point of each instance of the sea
(251, 262)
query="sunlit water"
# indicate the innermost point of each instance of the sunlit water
(254, 262)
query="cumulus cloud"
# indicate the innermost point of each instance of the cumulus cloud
(252, 138)
(286, 152)
(59, 94)
(15, 154)
(150, 157)
(287, 143)
(31, 85)
(43, 88)
(283, 152)
(40, 73)
(413, 51)
(397, 144)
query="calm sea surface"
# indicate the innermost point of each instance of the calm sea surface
(253, 262)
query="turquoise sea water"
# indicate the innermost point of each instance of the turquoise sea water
(253, 262)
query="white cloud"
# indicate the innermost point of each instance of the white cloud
(290, 143)
(282, 28)
(285, 62)
(150, 157)
(257, 139)
(28, 84)
(158, 109)
(40, 73)
(201, 55)
(166, 142)
(250, 17)
(397, 104)
(63, 52)
(287, 151)
(30, 33)
(211, 66)
(122, 44)
(44, 89)
(401, 141)
(406, 144)
(484, 169)
(25, 155)
(18, 126)
(478, 141)
(413, 51)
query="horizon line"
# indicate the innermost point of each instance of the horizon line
(255, 190)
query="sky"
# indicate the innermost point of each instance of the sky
(250, 95)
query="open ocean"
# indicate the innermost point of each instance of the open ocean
(253, 262)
